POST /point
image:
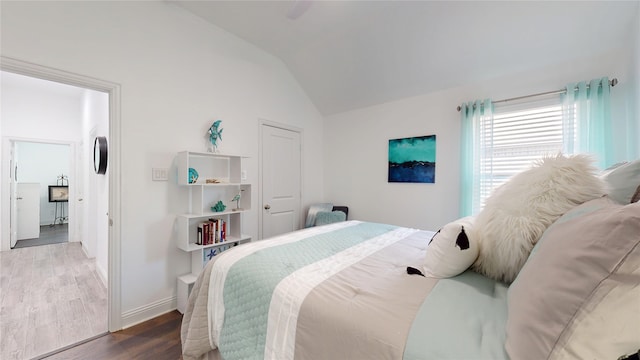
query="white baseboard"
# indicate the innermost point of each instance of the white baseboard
(102, 274)
(149, 311)
(84, 249)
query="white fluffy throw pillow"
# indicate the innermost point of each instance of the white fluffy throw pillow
(451, 250)
(519, 211)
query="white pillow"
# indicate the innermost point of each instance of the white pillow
(451, 250)
(622, 180)
(520, 210)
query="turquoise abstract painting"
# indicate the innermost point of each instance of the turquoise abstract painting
(413, 159)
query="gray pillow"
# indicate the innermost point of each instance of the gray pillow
(582, 249)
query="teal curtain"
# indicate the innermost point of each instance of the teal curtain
(466, 158)
(471, 150)
(587, 115)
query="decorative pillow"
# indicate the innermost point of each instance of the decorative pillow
(604, 326)
(451, 250)
(622, 180)
(329, 217)
(313, 212)
(589, 251)
(519, 211)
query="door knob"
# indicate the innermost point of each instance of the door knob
(19, 198)
(267, 207)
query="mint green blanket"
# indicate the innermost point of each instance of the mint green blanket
(251, 281)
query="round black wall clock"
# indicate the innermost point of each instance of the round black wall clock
(100, 155)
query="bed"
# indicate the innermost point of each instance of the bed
(344, 291)
(346, 294)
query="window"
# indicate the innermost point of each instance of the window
(500, 139)
(516, 137)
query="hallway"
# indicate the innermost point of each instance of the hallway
(49, 234)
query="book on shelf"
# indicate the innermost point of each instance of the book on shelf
(216, 225)
(213, 238)
(218, 230)
(205, 233)
(213, 231)
(199, 235)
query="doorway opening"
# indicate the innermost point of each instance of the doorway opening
(61, 285)
(41, 176)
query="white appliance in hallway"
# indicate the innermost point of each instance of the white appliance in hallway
(28, 210)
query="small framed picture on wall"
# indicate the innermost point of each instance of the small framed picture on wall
(413, 160)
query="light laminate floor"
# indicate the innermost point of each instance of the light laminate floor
(50, 297)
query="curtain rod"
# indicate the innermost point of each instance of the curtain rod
(613, 82)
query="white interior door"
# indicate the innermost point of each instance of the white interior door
(13, 206)
(80, 188)
(281, 178)
(28, 210)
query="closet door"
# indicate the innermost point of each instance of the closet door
(281, 181)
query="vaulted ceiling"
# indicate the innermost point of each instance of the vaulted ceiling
(352, 54)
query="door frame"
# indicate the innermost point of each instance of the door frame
(113, 89)
(261, 124)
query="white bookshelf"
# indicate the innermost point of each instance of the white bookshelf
(227, 169)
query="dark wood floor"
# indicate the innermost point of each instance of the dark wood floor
(156, 339)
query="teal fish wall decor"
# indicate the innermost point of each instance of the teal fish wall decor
(215, 134)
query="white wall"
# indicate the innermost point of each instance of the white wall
(356, 142)
(177, 74)
(32, 109)
(628, 138)
(43, 163)
(95, 227)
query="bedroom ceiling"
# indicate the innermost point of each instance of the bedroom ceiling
(351, 54)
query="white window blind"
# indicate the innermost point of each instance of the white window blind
(517, 135)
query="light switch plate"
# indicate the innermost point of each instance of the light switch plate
(159, 174)
(243, 175)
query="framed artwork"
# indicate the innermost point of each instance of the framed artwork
(58, 193)
(413, 160)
